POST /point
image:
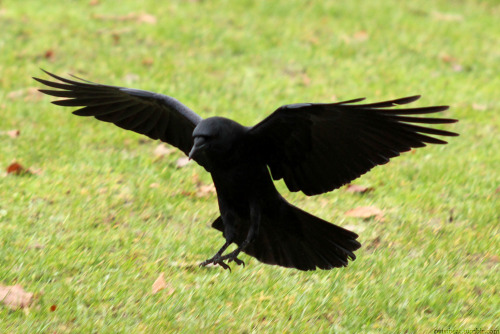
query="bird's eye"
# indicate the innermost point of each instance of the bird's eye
(204, 138)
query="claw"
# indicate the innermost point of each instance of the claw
(237, 261)
(223, 265)
(216, 260)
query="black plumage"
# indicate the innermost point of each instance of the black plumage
(313, 147)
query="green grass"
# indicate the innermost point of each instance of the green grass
(89, 234)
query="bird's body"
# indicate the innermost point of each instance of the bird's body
(314, 148)
(255, 216)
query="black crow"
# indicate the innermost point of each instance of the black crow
(313, 147)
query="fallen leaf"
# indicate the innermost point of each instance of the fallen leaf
(159, 284)
(17, 169)
(15, 297)
(36, 245)
(116, 38)
(374, 244)
(146, 18)
(365, 212)
(138, 17)
(182, 162)
(11, 133)
(205, 190)
(94, 2)
(306, 80)
(163, 150)
(49, 54)
(361, 35)
(28, 94)
(455, 65)
(446, 58)
(154, 185)
(356, 188)
(477, 106)
(147, 61)
(131, 78)
(202, 189)
(450, 17)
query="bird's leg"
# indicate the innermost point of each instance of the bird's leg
(217, 258)
(255, 217)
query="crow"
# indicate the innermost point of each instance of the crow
(313, 147)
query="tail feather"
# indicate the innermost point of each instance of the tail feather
(296, 239)
(304, 242)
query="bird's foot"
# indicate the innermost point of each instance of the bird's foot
(219, 260)
(216, 260)
(233, 256)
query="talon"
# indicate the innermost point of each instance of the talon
(223, 265)
(216, 260)
(212, 260)
(237, 261)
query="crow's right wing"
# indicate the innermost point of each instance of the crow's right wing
(318, 147)
(154, 115)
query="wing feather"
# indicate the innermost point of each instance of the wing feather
(316, 148)
(154, 115)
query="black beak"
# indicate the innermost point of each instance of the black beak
(199, 143)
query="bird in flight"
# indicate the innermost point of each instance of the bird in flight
(314, 147)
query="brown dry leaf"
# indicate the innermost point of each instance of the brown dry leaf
(205, 190)
(365, 212)
(17, 169)
(182, 162)
(49, 54)
(147, 61)
(455, 65)
(146, 18)
(138, 17)
(447, 58)
(450, 17)
(27, 94)
(202, 190)
(374, 244)
(159, 284)
(356, 188)
(15, 297)
(36, 245)
(306, 80)
(360, 36)
(480, 107)
(116, 38)
(163, 150)
(13, 133)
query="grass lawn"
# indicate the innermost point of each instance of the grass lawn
(102, 215)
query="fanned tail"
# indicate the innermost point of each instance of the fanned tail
(297, 239)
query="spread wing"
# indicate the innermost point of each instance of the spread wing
(316, 148)
(154, 115)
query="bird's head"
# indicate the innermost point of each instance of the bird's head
(214, 140)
